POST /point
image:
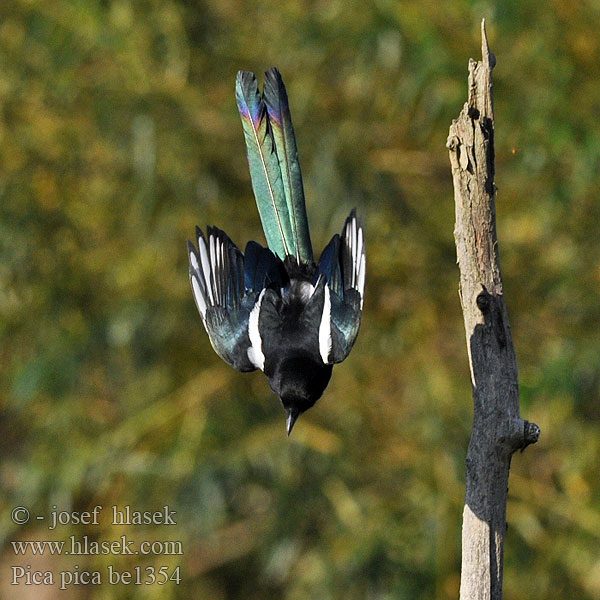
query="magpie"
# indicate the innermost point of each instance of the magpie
(276, 309)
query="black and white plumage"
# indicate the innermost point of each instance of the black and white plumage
(277, 310)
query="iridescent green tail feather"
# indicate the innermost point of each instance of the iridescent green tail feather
(280, 119)
(274, 166)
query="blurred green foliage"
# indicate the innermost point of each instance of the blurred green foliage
(119, 133)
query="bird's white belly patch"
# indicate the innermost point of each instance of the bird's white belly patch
(255, 353)
(325, 328)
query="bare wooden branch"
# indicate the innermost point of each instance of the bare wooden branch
(498, 430)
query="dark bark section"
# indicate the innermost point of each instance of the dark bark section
(498, 430)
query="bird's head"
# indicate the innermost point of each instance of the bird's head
(299, 382)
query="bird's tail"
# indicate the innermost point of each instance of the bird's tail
(274, 165)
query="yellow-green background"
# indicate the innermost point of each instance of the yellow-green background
(119, 133)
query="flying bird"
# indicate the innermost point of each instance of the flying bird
(276, 309)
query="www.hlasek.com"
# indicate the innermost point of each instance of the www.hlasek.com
(85, 545)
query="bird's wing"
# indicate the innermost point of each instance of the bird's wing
(228, 290)
(342, 263)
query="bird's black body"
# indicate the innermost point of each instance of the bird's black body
(275, 308)
(290, 321)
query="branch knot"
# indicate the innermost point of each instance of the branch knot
(483, 300)
(531, 434)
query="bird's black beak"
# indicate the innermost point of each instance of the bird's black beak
(292, 416)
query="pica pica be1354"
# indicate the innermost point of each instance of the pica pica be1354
(274, 308)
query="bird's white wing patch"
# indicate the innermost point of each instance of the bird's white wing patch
(213, 268)
(355, 242)
(211, 265)
(325, 328)
(255, 353)
(205, 267)
(200, 302)
(361, 280)
(193, 260)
